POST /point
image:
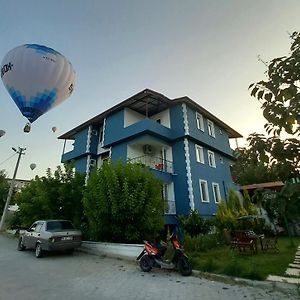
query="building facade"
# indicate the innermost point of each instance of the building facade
(183, 144)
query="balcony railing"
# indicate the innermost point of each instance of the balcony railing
(156, 163)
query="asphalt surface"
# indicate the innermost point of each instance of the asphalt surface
(83, 276)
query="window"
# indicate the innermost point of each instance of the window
(211, 128)
(216, 191)
(200, 123)
(169, 198)
(199, 154)
(211, 159)
(204, 191)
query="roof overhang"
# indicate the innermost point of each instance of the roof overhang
(149, 103)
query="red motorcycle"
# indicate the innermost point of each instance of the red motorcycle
(152, 256)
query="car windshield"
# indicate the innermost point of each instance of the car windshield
(59, 225)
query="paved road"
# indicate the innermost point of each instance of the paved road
(83, 277)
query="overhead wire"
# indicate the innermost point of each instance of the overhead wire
(7, 159)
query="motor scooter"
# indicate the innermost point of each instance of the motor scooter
(153, 256)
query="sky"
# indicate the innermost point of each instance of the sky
(206, 50)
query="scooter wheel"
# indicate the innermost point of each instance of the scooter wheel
(184, 266)
(145, 263)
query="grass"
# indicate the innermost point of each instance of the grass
(223, 260)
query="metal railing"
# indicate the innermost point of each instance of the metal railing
(156, 163)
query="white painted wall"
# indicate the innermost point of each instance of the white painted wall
(131, 117)
(164, 117)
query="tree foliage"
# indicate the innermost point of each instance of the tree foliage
(54, 196)
(4, 187)
(228, 212)
(280, 92)
(123, 203)
(285, 204)
(266, 159)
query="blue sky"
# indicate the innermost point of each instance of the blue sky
(206, 50)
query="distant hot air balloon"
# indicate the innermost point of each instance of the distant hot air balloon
(37, 78)
(32, 166)
(2, 133)
(54, 128)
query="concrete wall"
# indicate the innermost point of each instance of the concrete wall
(124, 251)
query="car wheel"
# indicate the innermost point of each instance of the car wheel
(21, 246)
(38, 250)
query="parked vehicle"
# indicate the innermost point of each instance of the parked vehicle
(153, 256)
(50, 235)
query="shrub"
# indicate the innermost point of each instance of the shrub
(201, 243)
(123, 203)
(194, 224)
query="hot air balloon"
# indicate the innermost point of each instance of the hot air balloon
(32, 166)
(54, 128)
(2, 132)
(37, 78)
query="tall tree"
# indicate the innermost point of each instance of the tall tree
(270, 158)
(55, 196)
(280, 92)
(266, 159)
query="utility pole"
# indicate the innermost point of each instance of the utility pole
(20, 151)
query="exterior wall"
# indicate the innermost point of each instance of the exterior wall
(176, 121)
(131, 117)
(80, 164)
(119, 152)
(180, 179)
(164, 118)
(220, 141)
(220, 175)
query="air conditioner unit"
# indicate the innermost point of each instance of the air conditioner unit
(148, 149)
(93, 162)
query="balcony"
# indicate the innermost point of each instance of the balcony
(156, 163)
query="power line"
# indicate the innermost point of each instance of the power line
(8, 159)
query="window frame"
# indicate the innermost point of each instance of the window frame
(205, 192)
(200, 121)
(217, 197)
(199, 149)
(211, 128)
(211, 162)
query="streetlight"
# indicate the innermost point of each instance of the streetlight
(20, 151)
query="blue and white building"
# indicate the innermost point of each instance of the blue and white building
(184, 145)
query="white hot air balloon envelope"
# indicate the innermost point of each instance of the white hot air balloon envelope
(37, 78)
(32, 166)
(2, 133)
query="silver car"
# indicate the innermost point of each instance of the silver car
(50, 235)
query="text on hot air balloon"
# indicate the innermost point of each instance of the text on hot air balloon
(6, 68)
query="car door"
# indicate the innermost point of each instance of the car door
(36, 233)
(28, 236)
